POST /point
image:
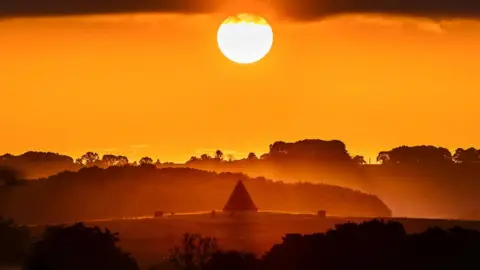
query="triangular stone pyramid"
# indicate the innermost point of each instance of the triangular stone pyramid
(240, 200)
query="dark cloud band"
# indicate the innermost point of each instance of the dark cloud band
(40, 8)
(293, 9)
(314, 9)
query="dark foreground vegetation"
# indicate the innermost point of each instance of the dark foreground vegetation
(130, 191)
(369, 245)
(414, 181)
(14, 242)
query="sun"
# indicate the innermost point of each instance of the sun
(245, 38)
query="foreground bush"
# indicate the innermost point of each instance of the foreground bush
(78, 248)
(194, 252)
(14, 242)
(372, 245)
(376, 245)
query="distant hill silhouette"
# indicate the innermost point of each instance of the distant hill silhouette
(94, 193)
(38, 164)
(415, 181)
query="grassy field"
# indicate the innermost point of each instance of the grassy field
(149, 239)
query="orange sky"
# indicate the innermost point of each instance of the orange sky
(157, 85)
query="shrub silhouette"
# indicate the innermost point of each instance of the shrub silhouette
(456, 248)
(372, 245)
(78, 248)
(14, 242)
(10, 177)
(376, 245)
(194, 252)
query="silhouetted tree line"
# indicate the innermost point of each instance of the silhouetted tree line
(93, 193)
(38, 164)
(428, 155)
(41, 164)
(369, 245)
(440, 183)
(301, 151)
(75, 247)
(10, 177)
(91, 159)
(374, 244)
(78, 248)
(377, 245)
(336, 152)
(448, 181)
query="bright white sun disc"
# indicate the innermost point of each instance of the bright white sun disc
(245, 38)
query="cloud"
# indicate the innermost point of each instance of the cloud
(291, 9)
(441, 9)
(40, 8)
(423, 24)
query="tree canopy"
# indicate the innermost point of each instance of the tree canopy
(78, 247)
(14, 242)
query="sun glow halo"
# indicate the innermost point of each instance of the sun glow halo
(245, 38)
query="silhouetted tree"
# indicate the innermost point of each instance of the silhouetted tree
(204, 157)
(193, 159)
(9, 176)
(279, 147)
(383, 157)
(145, 161)
(14, 243)
(79, 161)
(416, 155)
(252, 156)
(309, 150)
(264, 156)
(194, 252)
(158, 163)
(470, 155)
(6, 156)
(109, 160)
(359, 160)
(78, 248)
(38, 164)
(218, 155)
(35, 156)
(112, 160)
(122, 161)
(89, 159)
